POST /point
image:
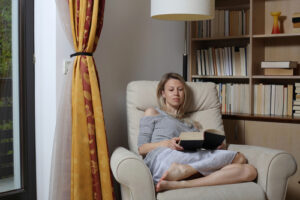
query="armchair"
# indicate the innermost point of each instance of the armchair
(274, 166)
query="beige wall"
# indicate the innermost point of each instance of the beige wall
(133, 47)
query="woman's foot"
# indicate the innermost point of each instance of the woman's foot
(160, 186)
(178, 172)
(163, 185)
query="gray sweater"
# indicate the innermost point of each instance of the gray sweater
(161, 127)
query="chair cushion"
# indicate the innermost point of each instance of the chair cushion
(203, 106)
(244, 191)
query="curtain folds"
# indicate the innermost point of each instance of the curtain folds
(60, 177)
(90, 172)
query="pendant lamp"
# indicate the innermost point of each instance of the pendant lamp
(183, 10)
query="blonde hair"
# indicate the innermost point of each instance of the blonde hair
(162, 102)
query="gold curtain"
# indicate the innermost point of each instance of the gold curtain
(90, 172)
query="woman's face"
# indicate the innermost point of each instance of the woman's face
(173, 93)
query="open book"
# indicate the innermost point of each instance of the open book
(208, 139)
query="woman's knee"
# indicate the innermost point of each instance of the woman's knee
(250, 172)
(239, 158)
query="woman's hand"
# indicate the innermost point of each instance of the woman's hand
(222, 146)
(172, 144)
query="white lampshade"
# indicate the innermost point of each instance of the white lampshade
(183, 10)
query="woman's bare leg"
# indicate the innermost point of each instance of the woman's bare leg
(239, 158)
(181, 171)
(233, 173)
(178, 172)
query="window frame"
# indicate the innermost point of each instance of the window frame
(27, 105)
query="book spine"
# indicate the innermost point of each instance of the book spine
(235, 98)
(270, 64)
(274, 100)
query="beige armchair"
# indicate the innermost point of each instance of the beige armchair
(274, 166)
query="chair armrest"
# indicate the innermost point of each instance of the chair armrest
(274, 167)
(133, 175)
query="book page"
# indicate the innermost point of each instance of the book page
(191, 136)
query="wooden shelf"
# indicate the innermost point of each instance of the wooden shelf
(222, 38)
(275, 77)
(220, 77)
(281, 35)
(232, 4)
(268, 118)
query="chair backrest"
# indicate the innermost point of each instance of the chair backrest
(203, 106)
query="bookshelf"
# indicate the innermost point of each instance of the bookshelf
(257, 38)
(269, 130)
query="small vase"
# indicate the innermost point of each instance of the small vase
(275, 29)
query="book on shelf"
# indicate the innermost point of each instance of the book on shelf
(297, 103)
(290, 101)
(296, 114)
(225, 23)
(296, 20)
(207, 70)
(226, 61)
(255, 100)
(236, 61)
(278, 72)
(296, 25)
(285, 101)
(221, 23)
(243, 59)
(279, 64)
(296, 107)
(213, 61)
(234, 22)
(296, 15)
(208, 139)
(198, 63)
(267, 98)
(247, 21)
(235, 98)
(279, 100)
(222, 88)
(273, 94)
(273, 99)
(259, 93)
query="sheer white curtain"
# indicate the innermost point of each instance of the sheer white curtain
(60, 177)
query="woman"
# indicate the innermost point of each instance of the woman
(169, 164)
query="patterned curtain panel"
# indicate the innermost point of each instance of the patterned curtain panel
(90, 172)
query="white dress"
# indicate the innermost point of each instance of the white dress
(165, 127)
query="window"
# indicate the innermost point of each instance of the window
(17, 138)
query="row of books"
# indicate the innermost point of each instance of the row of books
(225, 23)
(227, 61)
(281, 100)
(234, 98)
(296, 106)
(273, 99)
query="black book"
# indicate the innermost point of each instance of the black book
(208, 139)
